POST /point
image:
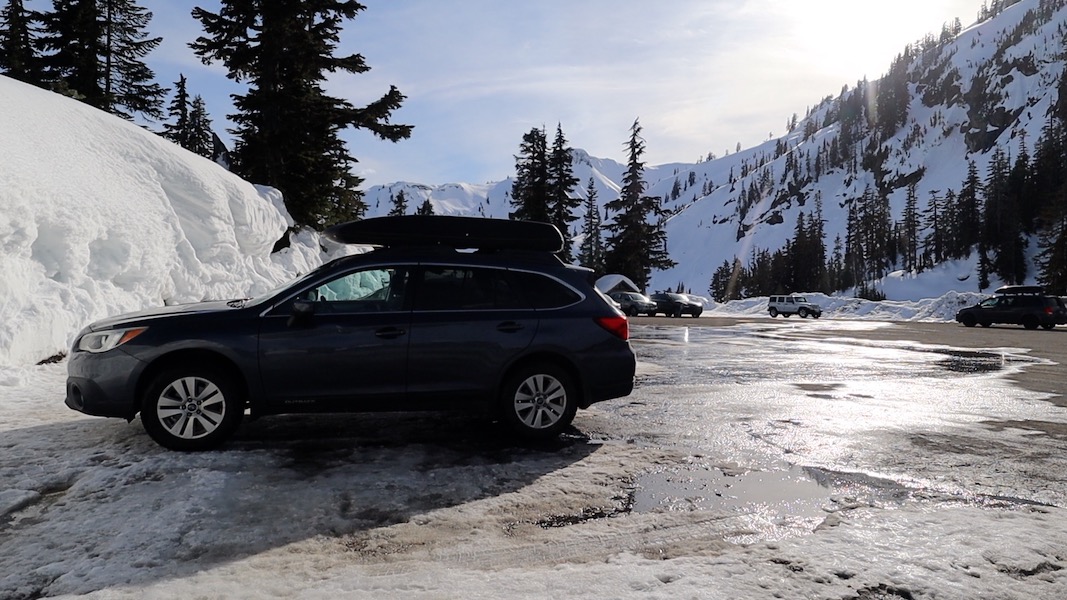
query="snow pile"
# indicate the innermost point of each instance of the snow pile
(98, 216)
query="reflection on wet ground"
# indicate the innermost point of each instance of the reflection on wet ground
(846, 388)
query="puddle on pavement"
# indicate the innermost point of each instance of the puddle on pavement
(792, 492)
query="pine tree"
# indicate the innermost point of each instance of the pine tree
(287, 127)
(638, 242)
(129, 86)
(72, 44)
(95, 54)
(529, 191)
(400, 204)
(591, 253)
(426, 208)
(179, 131)
(910, 229)
(561, 182)
(201, 137)
(18, 57)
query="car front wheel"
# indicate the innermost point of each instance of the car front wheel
(968, 320)
(803, 313)
(538, 401)
(191, 408)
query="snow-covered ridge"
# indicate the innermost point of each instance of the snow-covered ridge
(98, 216)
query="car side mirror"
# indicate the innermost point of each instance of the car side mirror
(302, 313)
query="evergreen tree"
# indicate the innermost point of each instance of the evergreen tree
(638, 242)
(179, 131)
(910, 229)
(400, 204)
(287, 127)
(968, 224)
(591, 252)
(72, 44)
(1002, 231)
(426, 208)
(95, 50)
(529, 191)
(18, 57)
(561, 181)
(201, 139)
(128, 84)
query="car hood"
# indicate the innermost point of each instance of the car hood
(162, 312)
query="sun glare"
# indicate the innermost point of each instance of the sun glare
(861, 39)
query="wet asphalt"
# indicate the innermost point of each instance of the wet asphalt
(1040, 343)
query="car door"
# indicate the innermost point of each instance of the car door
(346, 346)
(467, 324)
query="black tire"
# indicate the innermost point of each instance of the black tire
(984, 323)
(803, 312)
(538, 401)
(1048, 326)
(192, 408)
(968, 320)
(773, 312)
(696, 313)
(632, 311)
(1030, 322)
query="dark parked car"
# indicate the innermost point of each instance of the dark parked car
(634, 304)
(676, 305)
(1025, 305)
(516, 335)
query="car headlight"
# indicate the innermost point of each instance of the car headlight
(102, 341)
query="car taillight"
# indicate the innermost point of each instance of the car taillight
(1048, 310)
(616, 325)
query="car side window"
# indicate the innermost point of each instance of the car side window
(368, 290)
(544, 292)
(467, 288)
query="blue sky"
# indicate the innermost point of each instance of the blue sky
(701, 75)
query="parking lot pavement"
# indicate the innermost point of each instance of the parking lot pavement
(1044, 377)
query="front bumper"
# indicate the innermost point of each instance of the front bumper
(103, 385)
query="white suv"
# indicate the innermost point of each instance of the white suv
(792, 304)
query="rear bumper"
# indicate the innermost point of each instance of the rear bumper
(609, 378)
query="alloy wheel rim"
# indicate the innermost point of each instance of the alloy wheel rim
(540, 401)
(191, 408)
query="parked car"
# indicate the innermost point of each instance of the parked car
(1025, 305)
(675, 305)
(793, 304)
(633, 303)
(518, 336)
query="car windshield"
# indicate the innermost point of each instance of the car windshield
(266, 296)
(799, 299)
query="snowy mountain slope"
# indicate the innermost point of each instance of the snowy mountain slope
(98, 216)
(990, 86)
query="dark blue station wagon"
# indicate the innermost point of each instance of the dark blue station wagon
(514, 334)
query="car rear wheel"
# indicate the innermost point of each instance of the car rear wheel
(773, 312)
(191, 408)
(538, 401)
(1030, 322)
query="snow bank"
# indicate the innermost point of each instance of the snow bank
(99, 216)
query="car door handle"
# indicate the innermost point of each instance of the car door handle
(509, 327)
(389, 333)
